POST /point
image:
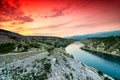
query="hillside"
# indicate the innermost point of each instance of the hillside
(107, 45)
(42, 58)
(13, 42)
(11, 37)
(55, 64)
(95, 35)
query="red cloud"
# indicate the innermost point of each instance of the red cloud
(10, 11)
(59, 11)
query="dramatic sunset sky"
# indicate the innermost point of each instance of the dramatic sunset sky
(59, 17)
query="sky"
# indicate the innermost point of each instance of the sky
(59, 17)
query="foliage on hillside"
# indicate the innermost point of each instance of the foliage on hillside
(6, 48)
(109, 45)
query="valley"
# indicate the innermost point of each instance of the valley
(42, 58)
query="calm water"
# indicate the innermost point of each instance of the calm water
(108, 65)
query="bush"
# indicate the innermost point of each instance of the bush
(67, 76)
(7, 47)
(106, 78)
(99, 72)
(34, 45)
(47, 67)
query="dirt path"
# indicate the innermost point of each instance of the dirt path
(15, 56)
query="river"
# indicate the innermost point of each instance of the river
(106, 64)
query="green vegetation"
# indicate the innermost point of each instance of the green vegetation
(40, 60)
(49, 48)
(47, 67)
(106, 78)
(89, 78)
(52, 41)
(109, 45)
(23, 47)
(7, 47)
(21, 73)
(67, 76)
(83, 64)
(71, 74)
(100, 73)
(31, 76)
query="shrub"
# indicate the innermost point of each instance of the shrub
(106, 78)
(99, 72)
(47, 67)
(67, 76)
(25, 48)
(71, 74)
(7, 47)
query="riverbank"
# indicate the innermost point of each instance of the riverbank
(107, 64)
(106, 45)
(100, 52)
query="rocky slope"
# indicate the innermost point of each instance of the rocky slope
(43, 58)
(107, 45)
(43, 65)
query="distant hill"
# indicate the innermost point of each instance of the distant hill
(93, 35)
(12, 37)
(107, 45)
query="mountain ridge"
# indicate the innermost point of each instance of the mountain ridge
(93, 35)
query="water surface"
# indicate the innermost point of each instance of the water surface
(106, 64)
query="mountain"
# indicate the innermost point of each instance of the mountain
(41, 58)
(106, 45)
(99, 34)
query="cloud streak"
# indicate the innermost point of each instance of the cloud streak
(59, 11)
(52, 27)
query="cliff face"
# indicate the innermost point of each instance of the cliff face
(108, 45)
